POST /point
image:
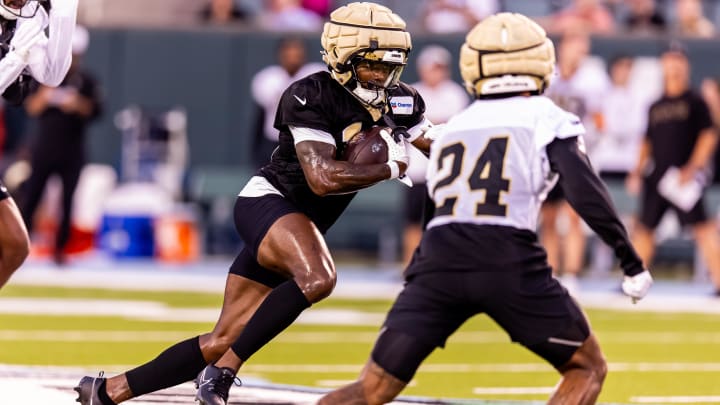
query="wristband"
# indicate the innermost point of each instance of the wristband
(394, 169)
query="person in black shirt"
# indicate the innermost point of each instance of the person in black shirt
(645, 18)
(63, 114)
(680, 136)
(284, 210)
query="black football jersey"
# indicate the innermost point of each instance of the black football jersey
(319, 102)
(15, 93)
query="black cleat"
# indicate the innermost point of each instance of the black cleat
(87, 390)
(213, 385)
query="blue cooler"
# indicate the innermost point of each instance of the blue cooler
(127, 236)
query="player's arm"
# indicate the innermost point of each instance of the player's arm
(325, 175)
(588, 196)
(50, 59)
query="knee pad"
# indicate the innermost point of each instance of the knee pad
(400, 354)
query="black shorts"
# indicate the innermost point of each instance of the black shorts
(555, 195)
(415, 198)
(253, 217)
(519, 293)
(653, 207)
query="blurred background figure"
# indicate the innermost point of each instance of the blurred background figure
(268, 85)
(443, 99)
(62, 114)
(644, 18)
(319, 7)
(710, 89)
(288, 15)
(624, 120)
(591, 15)
(448, 16)
(680, 134)
(579, 85)
(222, 12)
(691, 21)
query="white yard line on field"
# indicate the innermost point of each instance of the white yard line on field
(683, 399)
(512, 390)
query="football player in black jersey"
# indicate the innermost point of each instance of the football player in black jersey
(27, 55)
(490, 167)
(283, 212)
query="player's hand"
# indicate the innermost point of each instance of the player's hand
(397, 151)
(431, 132)
(27, 34)
(637, 286)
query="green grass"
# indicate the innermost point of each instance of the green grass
(313, 354)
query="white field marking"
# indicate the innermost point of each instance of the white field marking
(512, 390)
(159, 311)
(685, 399)
(342, 383)
(486, 368)
(350, 336)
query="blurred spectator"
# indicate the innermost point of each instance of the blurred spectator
(711, 94)
(268, 85)
(624, 119)
(222, 12)
(443, 98)
(690, 19)
(448, 16)
(62, 114)
(578, 88)
(587, 14)
(288, 15)
(319, 7)
(680, 134)
(645, 18)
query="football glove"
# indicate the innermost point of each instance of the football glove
(431, 132)
(27, 34)
(637, 286)
(397, 152)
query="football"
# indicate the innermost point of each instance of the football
(367, 147)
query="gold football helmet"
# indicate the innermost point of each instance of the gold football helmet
(368, 33)
(506, 53)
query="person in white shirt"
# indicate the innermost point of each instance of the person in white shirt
(28, 54)
(443, 99)
(268, 85)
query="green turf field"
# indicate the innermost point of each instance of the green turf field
(650, 354)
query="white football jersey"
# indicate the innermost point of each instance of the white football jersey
(488, 166)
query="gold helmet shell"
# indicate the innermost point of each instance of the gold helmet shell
(506, 53)
(367, 30)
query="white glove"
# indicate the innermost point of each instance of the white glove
(637, 286)
(433, 131)
(397, 152)
(27, 34)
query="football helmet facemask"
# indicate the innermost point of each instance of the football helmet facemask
(14, 9)
(366, 36)
(506, 53)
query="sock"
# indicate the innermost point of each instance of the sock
(177, 364)
(103, 395)
(280, 309)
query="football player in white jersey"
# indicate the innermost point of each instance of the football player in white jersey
(490, 168)
(28, 55)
